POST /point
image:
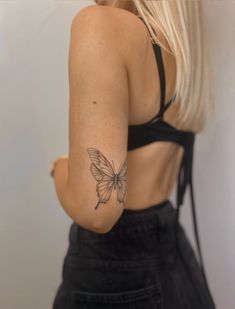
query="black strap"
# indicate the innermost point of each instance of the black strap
(161, 72)
(184, 179)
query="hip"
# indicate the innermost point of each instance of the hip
(134, 265)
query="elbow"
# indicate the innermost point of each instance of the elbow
(93, 225)
(101, 229)
(97, 221)
(91, 221)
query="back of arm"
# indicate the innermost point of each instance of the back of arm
(98, 122)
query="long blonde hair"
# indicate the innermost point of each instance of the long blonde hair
(181, 23)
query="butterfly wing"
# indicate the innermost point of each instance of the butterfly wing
(104, 189)
(100, 161)
(121, 182)
(103, 172)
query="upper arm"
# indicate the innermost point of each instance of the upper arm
(98, 120)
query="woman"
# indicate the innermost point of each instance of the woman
(129, 110)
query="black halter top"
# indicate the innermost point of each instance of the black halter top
(157, 129)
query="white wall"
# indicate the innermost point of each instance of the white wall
(214, 165)
(33, 132)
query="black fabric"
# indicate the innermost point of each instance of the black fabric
(157, 129)
(136, 265)
(145, 260)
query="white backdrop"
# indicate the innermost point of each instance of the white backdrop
(34, 41)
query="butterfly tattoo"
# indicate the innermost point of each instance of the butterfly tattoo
(104, 173)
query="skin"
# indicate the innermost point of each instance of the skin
(99, 116)
(127, 5)
(91, 185)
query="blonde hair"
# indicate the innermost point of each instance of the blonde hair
(181, 23)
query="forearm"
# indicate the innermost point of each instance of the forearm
(61, 186)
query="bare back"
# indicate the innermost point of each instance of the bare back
(153, 168)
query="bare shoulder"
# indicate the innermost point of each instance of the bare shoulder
(117, 26)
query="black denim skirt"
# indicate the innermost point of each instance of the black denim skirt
(135, 265)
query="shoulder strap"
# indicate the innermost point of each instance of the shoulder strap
(161, 71)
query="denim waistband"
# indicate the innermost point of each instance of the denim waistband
(153, 219)
(159, 216)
